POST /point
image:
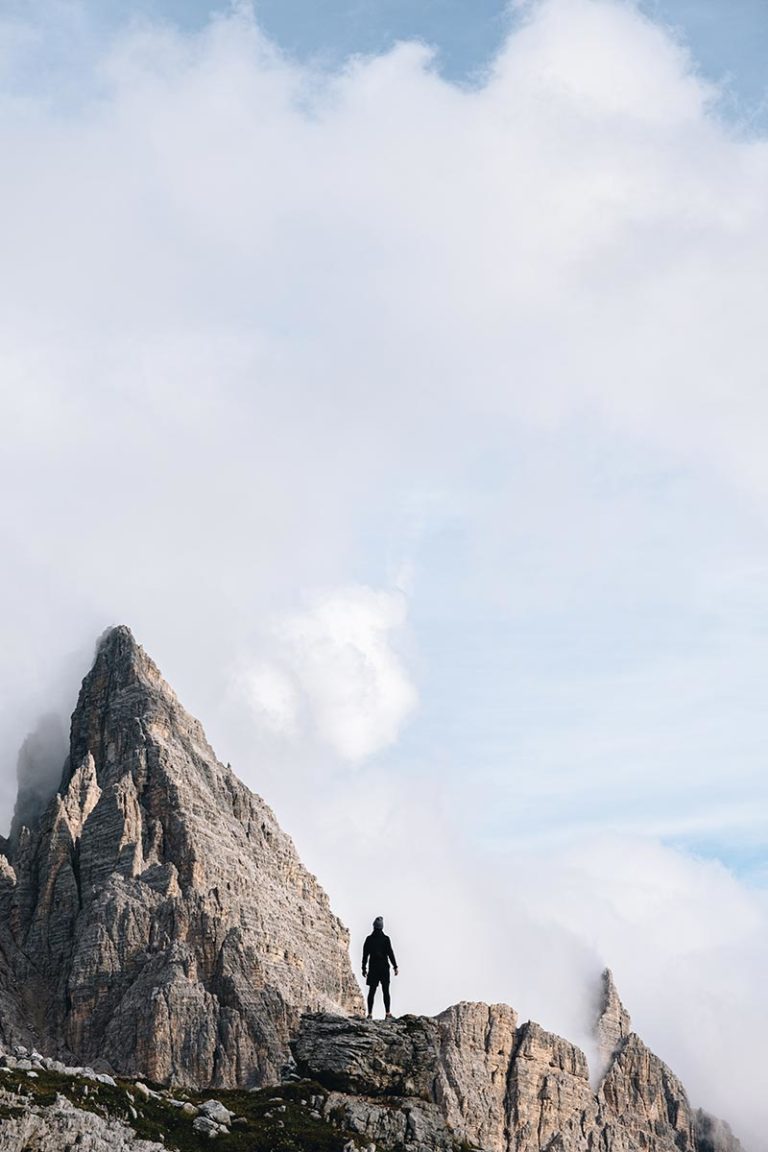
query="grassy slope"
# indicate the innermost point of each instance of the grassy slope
(268, 1127)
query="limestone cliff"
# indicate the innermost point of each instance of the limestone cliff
(155, 917)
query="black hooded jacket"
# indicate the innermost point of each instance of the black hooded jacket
(377, 955)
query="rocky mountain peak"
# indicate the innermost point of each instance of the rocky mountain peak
(160, 919)
(120, 664)
(124, 688)
(118, 646)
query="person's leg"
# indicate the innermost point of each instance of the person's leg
(371, 994)
(385, 992)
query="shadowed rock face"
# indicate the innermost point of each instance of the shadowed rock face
(713, 1135)
(156, 917)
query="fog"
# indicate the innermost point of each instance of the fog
(39, 769)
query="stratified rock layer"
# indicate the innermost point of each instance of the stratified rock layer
(156, 917)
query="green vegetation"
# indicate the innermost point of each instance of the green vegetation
(271, 1120)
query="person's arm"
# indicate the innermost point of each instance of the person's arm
(391, 955)
(366, 953)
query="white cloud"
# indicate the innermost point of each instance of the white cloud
(337, 664)
(273, 696)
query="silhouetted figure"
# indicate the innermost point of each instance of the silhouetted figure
(377, 955)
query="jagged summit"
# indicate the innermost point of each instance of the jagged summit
(118, 643)
(120, 661)
(160, 919)
(613, 1024)
(123, 686)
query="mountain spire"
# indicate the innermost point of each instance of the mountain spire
(165, 920)
(613, 1023)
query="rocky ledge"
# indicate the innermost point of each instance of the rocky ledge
(473, 1075)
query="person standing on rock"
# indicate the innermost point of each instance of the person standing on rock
(377, 956)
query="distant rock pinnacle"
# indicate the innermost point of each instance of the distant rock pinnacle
(613, 1024)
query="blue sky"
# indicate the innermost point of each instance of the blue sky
(415, 420)
(728, 40)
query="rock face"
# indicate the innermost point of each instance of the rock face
(155, 916)
(472, 1076)
(643, 1102)
(613, 1024)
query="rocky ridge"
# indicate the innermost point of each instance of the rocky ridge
(474, 1074)
(157, 925)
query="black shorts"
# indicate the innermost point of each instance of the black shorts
(376, 978)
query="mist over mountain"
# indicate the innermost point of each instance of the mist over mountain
(156, 922)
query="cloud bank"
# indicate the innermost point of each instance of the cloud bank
(268, 331)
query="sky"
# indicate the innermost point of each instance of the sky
(397, 373)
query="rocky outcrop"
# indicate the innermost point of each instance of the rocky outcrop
(155, 916)
(476, 1043)
(359, 1057)
(550, 1103)
(382, 1076)
(643, 1102)
(472, 1076)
